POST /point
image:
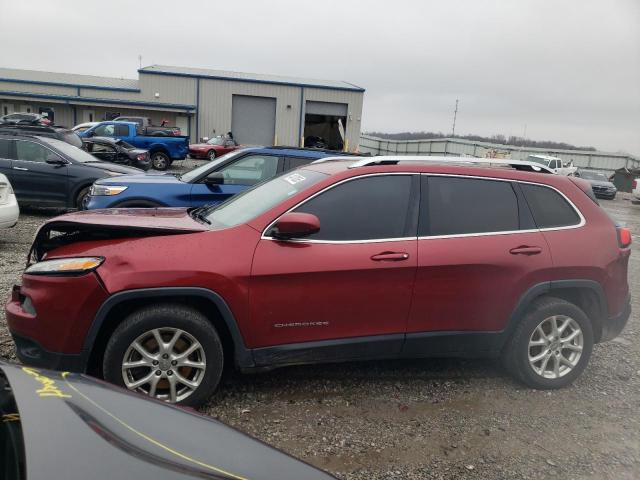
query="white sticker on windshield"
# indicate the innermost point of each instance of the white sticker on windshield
(294, 178)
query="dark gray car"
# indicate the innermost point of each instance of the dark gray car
(47, 172)
(600, 184)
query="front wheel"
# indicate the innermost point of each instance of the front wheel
(160, 161)
(211, 155)
(81, 198)
(169, 352)
(552, 345)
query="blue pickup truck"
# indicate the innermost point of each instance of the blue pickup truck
(163, 149)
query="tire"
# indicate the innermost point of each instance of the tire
(540, 375)
(166, 320)
(160, 161)
(81, 197)
(211, 155)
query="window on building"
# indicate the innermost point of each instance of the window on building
(548, 207)
(369, 208)
(456, 206)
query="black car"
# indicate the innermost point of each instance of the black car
(600, 184)
(53, 131)
(116, 150)
(71, 427)
(49, 173)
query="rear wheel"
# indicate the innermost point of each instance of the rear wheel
(160, 161)
(211, 155)
(169, 352)
(552, 345)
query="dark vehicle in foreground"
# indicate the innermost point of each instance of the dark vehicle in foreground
(383, 257)
(162, 149)
(146, 127)
(59, 133)
(25, 118)
(115, 150)
(601, 185)
(213, 148)
(66, 426)
(46, 172)
(208, 184)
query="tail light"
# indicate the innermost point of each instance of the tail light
(142, 156)
(634, 185)
(624, 237)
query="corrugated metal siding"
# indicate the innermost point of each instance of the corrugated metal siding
(30, 88)
(171, 89)
(594, 160)
(216, 104)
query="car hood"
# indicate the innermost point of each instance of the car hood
(75, 427)
(112, 167)
(142, 178)
(111, 223)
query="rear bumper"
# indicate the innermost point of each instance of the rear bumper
(613, 326)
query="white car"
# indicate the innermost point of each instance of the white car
(9, 210)
(636, 190)
(83, 126)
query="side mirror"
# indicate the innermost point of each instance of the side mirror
(215, 178)
(54, 159)
(295, 225)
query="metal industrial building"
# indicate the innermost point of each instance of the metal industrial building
(258, 109)
(602, 161)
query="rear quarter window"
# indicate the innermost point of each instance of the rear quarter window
(549, 208)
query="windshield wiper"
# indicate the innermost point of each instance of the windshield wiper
(200, 213)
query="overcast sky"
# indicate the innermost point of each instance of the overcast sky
(567, 69)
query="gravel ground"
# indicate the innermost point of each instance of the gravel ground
(430, 419)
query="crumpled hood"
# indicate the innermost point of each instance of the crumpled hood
(77, 428)
(110, 224)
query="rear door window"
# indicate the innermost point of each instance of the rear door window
(122, 130)
(5, 149)
(549, 208)
(368, 208)
(31, 152)
(458, 206)
(295, 162)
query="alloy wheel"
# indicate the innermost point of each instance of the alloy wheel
(166, 363)
(555, 346)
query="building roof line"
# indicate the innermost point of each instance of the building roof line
(69, 85)
(77, 99)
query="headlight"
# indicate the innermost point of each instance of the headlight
(65, 266)
(101, 190)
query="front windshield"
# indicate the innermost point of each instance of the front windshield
(207, 167)
(76, 154)
(257, 200)
(594, 176)
(216, 141)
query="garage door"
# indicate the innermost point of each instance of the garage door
(253, 120)
(326, 108)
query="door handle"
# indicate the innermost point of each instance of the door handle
(525, 250)
(21, 168)
(390, 257)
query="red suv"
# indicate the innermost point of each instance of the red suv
(381, 257)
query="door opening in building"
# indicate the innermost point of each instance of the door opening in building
(325, 125)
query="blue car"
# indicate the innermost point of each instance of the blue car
(210, 183)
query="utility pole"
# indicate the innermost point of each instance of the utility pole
(455, 114)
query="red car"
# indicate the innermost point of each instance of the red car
(214, 147)
(380, 257)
